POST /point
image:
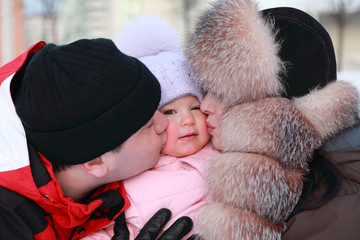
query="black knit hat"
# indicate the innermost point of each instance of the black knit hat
(306, 48)
(80, 100)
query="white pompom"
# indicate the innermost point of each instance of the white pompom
(148, 35)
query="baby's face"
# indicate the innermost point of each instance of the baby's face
(187, 131)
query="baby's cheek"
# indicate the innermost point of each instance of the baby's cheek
(171, 137)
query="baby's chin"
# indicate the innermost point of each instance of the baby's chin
(183, 152)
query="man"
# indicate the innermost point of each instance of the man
(75, 120)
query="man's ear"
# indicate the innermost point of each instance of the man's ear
(95, 167)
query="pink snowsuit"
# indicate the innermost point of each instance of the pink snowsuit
(174, 183)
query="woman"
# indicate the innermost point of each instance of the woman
(329, 205)
(267, 141)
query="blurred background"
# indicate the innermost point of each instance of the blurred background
(24, 22)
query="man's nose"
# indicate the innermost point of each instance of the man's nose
(161, 123)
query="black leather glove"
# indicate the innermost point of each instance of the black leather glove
(121, 232)
(154, 226)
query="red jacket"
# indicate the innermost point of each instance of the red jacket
(32, 203)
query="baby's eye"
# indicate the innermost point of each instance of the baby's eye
(169, 112)
(195, 108)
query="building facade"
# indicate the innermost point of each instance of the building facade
(12, 35)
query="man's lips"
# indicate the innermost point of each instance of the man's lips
(164, 138)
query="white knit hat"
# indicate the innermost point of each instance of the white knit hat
(155, 43)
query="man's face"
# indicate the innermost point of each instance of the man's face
(214, 110)
(186, 133)
(140, 152)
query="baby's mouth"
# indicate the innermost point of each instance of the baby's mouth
(188, 137)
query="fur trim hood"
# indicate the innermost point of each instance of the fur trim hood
(234, 53)
(267, 141)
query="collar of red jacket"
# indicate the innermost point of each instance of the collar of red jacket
(37, 182)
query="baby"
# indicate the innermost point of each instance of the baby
(176, 182)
